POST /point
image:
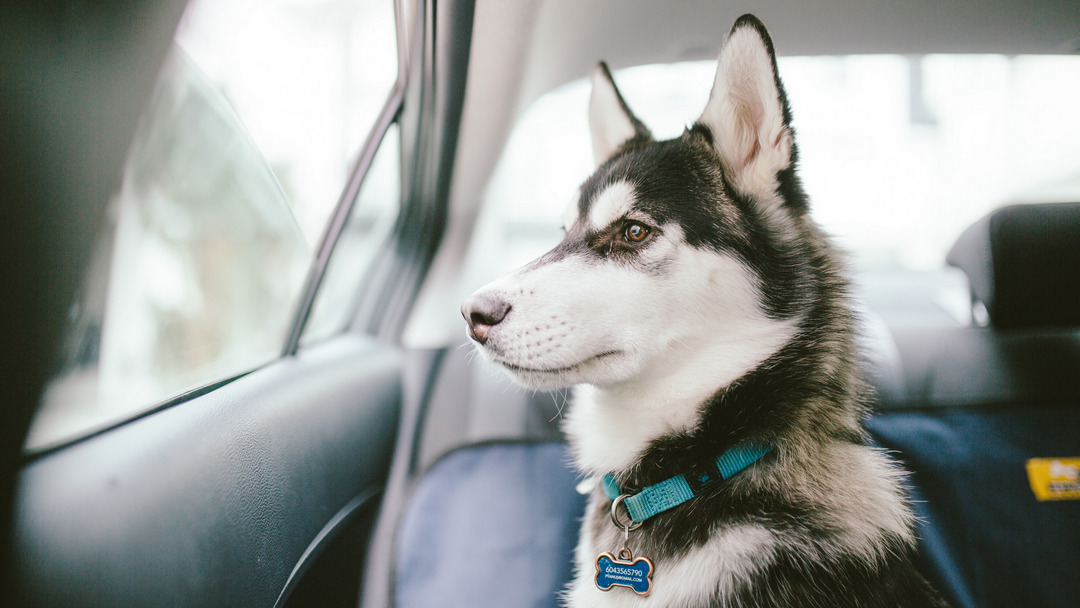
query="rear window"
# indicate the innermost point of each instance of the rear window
(898, 154)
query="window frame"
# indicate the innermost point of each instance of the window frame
(347, 201)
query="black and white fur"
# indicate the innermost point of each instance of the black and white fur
(699, 307)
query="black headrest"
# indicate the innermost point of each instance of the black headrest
(1023, 262)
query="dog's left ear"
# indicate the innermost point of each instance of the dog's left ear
(748, 112)
(612, 123)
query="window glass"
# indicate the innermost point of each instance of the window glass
(898, 154)
(308, 79)
(240, 155)
(368, 225)
(197, 276)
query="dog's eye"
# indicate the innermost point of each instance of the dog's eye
(635, 232)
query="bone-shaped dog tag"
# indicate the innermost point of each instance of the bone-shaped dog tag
(624, 571)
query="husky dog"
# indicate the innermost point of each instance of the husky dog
(705, 315)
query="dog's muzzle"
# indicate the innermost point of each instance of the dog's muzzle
(483, 311)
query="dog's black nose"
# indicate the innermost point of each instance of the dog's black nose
(481, 312)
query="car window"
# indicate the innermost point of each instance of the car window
(898, 154)
(238, 159)
(308, 79)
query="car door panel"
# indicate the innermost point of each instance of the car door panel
(221, 500)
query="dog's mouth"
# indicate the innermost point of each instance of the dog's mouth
(558, 370)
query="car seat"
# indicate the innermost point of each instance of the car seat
(492, 524)
(982, 400)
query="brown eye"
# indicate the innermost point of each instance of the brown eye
(635, 232)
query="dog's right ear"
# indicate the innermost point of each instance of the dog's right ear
(612, 123)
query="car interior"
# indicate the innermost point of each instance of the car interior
(215, 396)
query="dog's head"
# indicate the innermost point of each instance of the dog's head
(677, 253)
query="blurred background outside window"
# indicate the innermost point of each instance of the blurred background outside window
(237, 163)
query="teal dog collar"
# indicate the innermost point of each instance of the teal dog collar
(674, 491)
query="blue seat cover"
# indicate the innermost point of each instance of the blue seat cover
(985, 540)
(490, 525)
(496, 524)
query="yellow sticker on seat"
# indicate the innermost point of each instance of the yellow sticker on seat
(1054, 478)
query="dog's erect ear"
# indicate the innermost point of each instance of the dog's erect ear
(748, 112)
(610, 119)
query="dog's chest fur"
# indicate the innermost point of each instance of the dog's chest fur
(842, 511)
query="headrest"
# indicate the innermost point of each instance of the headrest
(1023, 262)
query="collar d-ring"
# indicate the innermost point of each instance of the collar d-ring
(633, 525)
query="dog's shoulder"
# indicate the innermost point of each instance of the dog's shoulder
(852, 497)
(791, 579)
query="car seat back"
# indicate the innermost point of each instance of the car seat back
(491, 524)
(982, 402)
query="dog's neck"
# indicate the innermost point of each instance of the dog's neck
(611, 427)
